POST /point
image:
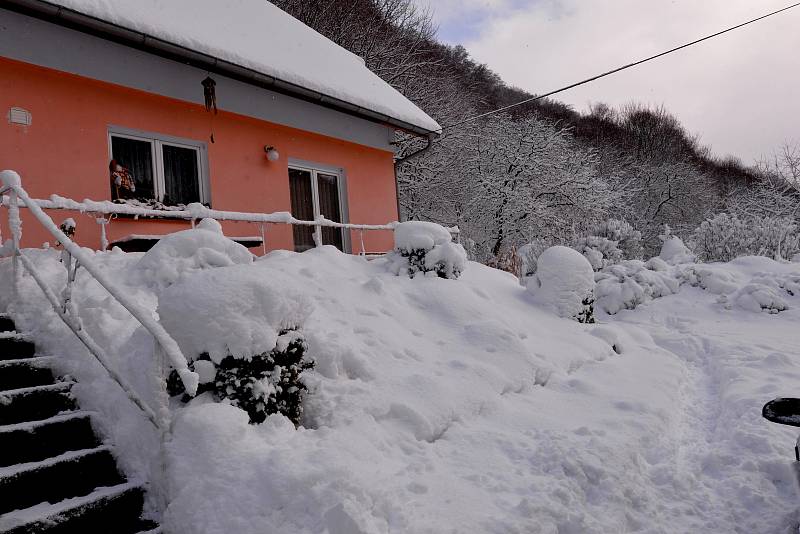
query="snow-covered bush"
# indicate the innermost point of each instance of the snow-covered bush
(725, 237)
(673, 250)
(633, 282)
(262, 385)
(610, 242)
(529, 253)
(423, 247)
(188, 251)
(239, 327)
(564, 283)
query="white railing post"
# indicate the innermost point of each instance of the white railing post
(103, 222)
(15, 225)
(361, 236)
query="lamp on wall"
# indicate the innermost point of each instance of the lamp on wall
(272, 153)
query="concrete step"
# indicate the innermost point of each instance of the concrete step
(35, 403)
(16, 374)
(71, 474)
(7, 324)
(38, 441)
(109, 510)
(13, 348)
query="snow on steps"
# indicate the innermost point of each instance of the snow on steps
(103, 510)
(50, 454)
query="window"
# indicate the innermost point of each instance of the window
(314, 192)
(155, 167)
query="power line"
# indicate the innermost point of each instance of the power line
(634, 64)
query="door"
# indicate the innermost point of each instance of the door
(315, 192)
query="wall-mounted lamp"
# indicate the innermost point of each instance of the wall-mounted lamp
(272, 153)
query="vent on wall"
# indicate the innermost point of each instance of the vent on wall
(19, 116)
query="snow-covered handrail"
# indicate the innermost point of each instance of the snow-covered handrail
(196, 211)
(11, 182)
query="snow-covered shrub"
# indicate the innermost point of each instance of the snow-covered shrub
(610, 242)
(423, 247)
(725, 237)
(239, 327)
(630, 283)
(759, 296)
(564, 283)
(188, 251)
(264, 384)
(673, 250)
(715, 279)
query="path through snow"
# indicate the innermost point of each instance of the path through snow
(735, 468)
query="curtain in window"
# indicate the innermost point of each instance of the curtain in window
(302, 208)
(328, 189)
(137, 157)
(181, 175)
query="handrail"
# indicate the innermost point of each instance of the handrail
(12, 183)
(196, 211)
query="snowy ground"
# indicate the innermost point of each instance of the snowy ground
(461, 406)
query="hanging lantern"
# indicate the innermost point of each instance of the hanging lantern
(210, 94)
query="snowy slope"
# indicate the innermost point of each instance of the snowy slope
(257, 35)
(461, 406)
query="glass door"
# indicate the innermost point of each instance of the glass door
(313, 193)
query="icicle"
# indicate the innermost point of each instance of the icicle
(210, 94)
(361, 236)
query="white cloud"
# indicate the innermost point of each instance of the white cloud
(739, 91)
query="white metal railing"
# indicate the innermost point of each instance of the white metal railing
(194, 212)
(75, 257)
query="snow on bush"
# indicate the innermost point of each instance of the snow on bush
(262, 385)
(189, 251)
(673, 250)
(237, 311)
(633, 282)
(426, 247)
(609, 243)
(725, 237)
(564, 283)
(239, 327)
(713, 278)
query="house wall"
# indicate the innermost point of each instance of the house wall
(65, 151)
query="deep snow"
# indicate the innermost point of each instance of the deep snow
(460, 405)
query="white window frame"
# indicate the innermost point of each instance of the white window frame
(157, 142)
(341, 184)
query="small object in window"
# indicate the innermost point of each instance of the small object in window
(210, 94)
(68, 227)
(123, 181)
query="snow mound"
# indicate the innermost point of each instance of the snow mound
(189, 251)
(674, 251)
(759, 296)
(421, 246)
(631, 283)
(564, 281)
(713, 278)
(239, 310)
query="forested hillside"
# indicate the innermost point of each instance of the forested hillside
(542, 173)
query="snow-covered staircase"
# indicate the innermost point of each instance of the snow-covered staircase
(56, 476)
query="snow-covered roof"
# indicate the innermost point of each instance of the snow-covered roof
(261, 37)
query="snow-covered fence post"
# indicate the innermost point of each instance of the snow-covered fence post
(103, 222)
(361, 237)
(263, 239)
(9, 180)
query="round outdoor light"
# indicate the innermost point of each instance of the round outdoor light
(272, 154)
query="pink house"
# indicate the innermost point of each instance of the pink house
(165, 104)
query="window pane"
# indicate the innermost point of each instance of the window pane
(302, 208)
(181, 175)
(328, 189)
(132, 176)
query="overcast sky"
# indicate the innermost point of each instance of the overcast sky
(739, 92)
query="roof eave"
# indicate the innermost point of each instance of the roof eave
(85, 23)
